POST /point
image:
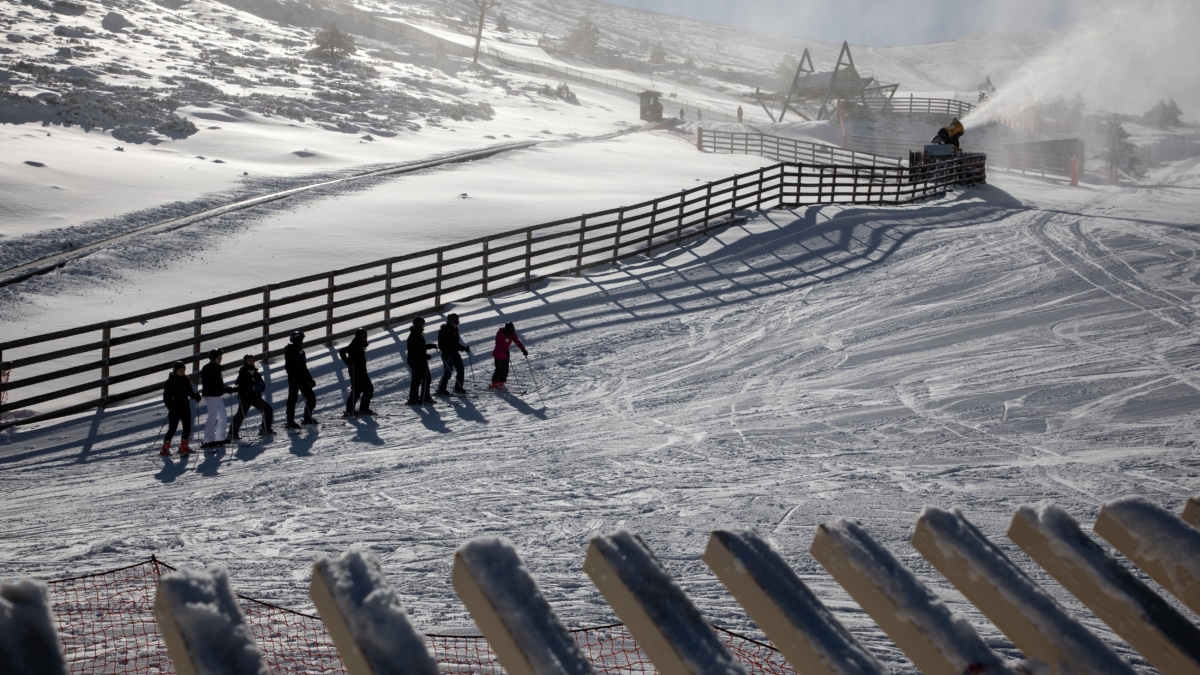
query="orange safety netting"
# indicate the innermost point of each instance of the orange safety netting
(106, 622)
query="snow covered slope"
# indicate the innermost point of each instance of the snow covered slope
(1017, 342)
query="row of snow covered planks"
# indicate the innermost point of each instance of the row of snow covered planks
(207, 634)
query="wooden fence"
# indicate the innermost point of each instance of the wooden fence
(915, 106)
(96, 365)
(1051, 157)
(786, 149)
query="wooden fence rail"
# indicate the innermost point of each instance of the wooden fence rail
(910, 105)
(96, 365)
(786, 149)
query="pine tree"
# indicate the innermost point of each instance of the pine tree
(584, 38)
(333, 43)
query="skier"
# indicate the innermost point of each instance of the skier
(950, 134)
(213, 388)
(354, 355)
(417, 356)
(739, 114)
(176, 392)
(505, 337)
(250, 388)
(450, 344)
(300, 381)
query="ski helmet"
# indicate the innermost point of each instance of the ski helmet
(510, 328)
(360, 334)
(453, 318)
(296, 337)
(177, 365)
(214, 353)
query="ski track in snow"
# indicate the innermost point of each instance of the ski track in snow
(976, 351)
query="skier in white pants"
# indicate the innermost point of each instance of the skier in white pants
(213, 389)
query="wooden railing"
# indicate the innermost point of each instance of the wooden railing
(100, 364)
(911, 105)
(786, 149)
(1051, 157)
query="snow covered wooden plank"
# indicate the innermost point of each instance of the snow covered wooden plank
(938, 641)
(1021, 609)
(29, 644)
(659, 615)
(1191, 511)
(1147, 622)
(203, 626)
(1156, 540)
(795, 620)
(512, 613)
(365, 618)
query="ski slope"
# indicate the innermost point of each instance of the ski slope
(1011, 343)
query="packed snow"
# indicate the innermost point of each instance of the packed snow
(1015, 342)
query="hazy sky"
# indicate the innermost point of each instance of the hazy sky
(877, 22)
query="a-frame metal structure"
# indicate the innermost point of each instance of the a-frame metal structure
(843, 83)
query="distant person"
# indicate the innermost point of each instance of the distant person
(300, 381)
(250, 388)
(178, 394)
(213, 389)
(417, 356)
(682, 115)
(505, 338)
(450, 344)
(950, 133)
(739, 114)
(354, 355)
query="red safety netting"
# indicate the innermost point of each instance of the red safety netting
(106, 622)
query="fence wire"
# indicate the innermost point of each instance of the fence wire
(106, 623)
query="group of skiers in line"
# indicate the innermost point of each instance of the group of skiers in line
(178, 391)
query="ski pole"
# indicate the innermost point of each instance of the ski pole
(535, 382)
(474, 384)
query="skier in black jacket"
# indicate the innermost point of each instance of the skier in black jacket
(250, 388)
(449, 344)
(354, 355)
(300, 381)
(176, 394)
(417, 356)
(213, 389)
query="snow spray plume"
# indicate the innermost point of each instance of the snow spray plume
(1126, 57)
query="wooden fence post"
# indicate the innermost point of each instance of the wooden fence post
(700, 139)
(437, 280)
(329, 314)
(579, 256)
(105, 355)
(484, 271)
(197, 334)
(617, 240)
(266, 329)
(387, 296)
(707, 205)
(682, 203)
(528, 257)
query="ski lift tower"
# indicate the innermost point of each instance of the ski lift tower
(843, 83)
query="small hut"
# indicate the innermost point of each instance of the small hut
(652, 110)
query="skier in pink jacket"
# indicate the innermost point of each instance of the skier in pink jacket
(505, 338)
